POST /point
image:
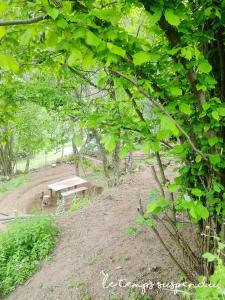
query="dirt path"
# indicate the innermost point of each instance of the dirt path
(24, 197)
(95, 239)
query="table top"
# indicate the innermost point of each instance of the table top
(67, 183)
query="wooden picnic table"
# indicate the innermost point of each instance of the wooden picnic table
(72, 182)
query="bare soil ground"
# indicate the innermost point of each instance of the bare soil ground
(25, 197)
(95, 239)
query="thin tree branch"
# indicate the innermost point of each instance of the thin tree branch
(162, 109)
(23, 22)
(158, 181)
(83, 77)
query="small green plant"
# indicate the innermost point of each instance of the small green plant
(135, 296)
(131, 230)
(22, 246)
(214, 287)
(97, 169)
(79, 203)
(14, 183)
(92, 259)
(72, 284)
(127, 257)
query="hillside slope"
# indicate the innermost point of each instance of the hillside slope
(95, 239)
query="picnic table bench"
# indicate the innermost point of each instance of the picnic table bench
(73, 192)
(62, 187)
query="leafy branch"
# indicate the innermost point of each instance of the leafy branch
(162, 109)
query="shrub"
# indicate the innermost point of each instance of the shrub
(22, 246)
(214, 288)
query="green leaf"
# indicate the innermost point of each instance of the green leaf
(151, 145)
(198, 158)
(109, 142)
(164, 134)
(7, 62)
(209, 256)
(109, 14)
(143, 57)
(79, 33)
(172, 187)
(88, 60)
(26, 36)
(131, 230)
(116, 50)
(205, 67)
(175, 91)
(221, 111)
(201, 87)
(157, 206)
(206, 105)
(197, 192)
(140, 58)
(213, 140)
(202, 211)
(92, 39)
(77, 139)
(2, 31)
(172, 18)
(3, 7)
(185, 108)
(208, 11)
(74, 58)
(215, 115)
(61, 23)
(187, 52)
(214, 159)
(53, 13)
(51, 38)
(154, 146)
(155, 17)
(168, 124)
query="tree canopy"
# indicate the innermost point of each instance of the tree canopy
(148, 73)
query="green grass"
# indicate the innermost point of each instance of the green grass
(41, 159)
(79, 203)
(14, 183)
(22, 246)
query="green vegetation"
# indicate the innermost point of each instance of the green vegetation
(42, 159)
(22, 246)
(14, 183)
(79, 203)
(123, 76)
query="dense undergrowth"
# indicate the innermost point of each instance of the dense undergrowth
(22, 246)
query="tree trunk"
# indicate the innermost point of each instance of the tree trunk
(102, 153)
(27, 167)
(62, 153)
(128, 162)
(116, 162)
(7, 157)
(76, 158)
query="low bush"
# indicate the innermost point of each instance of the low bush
(22, 246)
